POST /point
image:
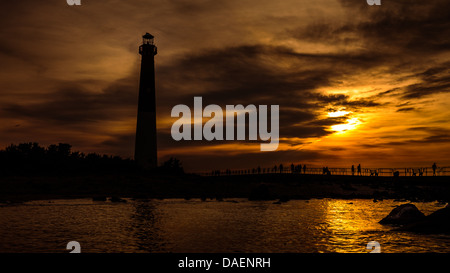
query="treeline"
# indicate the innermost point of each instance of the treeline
(33, 159)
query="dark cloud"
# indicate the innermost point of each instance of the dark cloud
(248, 75)
(362, 103)
(434, 80)
(433, 139)
(337, 149)
(329, 121)
(431, 130)
(404, 36)
(406, 109)
(419, 26)
(72, 103)
(436, 135)
(369, 146)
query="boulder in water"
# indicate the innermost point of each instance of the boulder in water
(437, 222)
(402, 215)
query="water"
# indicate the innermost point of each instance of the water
(178, 225)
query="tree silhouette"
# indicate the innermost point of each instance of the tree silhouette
(32, 159)
(172, 166)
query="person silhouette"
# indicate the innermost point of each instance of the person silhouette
(359, 169)
(434, 169)
(353, 169)
(281, 168)
(304, 168)
(292, 168)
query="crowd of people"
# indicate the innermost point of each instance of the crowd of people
(302, 169)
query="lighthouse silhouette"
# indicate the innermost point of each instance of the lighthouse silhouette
(145, 153)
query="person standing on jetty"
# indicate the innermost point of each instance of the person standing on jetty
(353, 170)
(434, 168)
(359, 169)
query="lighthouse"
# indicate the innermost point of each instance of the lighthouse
(145, 153)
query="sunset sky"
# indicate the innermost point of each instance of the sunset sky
(355, 83)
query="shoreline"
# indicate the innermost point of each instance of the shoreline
(280, 187)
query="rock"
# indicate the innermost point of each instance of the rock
(437, 222)
(402, 215)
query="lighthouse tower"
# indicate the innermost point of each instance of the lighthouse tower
(145, 153)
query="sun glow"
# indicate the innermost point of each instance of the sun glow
(351, 124)
(337, 114)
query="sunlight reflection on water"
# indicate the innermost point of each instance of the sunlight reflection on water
(178, 225)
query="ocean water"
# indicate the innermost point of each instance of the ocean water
(233, 225)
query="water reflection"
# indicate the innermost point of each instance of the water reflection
(352, 224)
(145, 227)
(177, 225)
